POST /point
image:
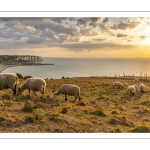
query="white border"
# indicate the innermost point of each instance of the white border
(76, 14)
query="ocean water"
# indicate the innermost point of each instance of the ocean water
(85, 67)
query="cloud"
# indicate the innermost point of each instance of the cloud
(94, 46)
(121, 35)
(64, 32)
(142, 37)
(88, 32)
(98, 40)
(125, 24)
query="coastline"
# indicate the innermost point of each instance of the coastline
(5, 67)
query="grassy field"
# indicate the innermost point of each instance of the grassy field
(102, 109)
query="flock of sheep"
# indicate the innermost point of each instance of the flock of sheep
(11, 80)
(132, 89)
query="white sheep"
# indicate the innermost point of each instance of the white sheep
(142, 87)
(117, 84)
(9, 80)
(69, 89)
(136, 80)
(131, 89)
(34, 84)
(136, 87)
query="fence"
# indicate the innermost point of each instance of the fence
(126, 77)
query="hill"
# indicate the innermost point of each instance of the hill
(102, 109)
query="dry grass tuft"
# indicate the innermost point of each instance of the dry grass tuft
(99, 112)
(64, 110)
(141, 129)
(28, 106)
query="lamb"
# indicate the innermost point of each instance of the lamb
(142, 87)
(136, 80)
(34, 84)
(131, 89)
(69, 89)
(118, 84)
(9, 80)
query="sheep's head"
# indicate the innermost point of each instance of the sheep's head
(54, 91)
(20, 91)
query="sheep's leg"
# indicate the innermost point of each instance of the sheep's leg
(79, 97)
(127, 92)
(65, 97)
(43, 94)
(75, 98)
(29, 91)
(15, 89)
(14, 92)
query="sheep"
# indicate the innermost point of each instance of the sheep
(142, 87)
(34, 84)
(69, 89)
(136, 87)
(117, 83)
(131, 89)
(9, 80)
(136, 80)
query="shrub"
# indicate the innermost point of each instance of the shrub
(38, 113)
(2, 118)
(141, 129)
(19, 75)
(1, 103)
(64, 110)
(81, 104)
(63, 77)
(99, 112)
(28, 106)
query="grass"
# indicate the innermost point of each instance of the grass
(102, 109)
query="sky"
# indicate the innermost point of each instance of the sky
(100, 37)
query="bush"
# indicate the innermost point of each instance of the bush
(38, 113)
(63, 77)
(1, 103)
(28, 106)
(99, 112)
(141, 129)
(19, 75)
(2, 118)
(64, 110)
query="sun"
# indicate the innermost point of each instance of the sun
(147, 40)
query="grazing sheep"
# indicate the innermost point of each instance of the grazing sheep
(131, 89)
(9, 80)
(34, 84)
(142, 87)
(118, 84)
(69, 89)
(136, 80)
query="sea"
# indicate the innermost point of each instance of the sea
(85, 67)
